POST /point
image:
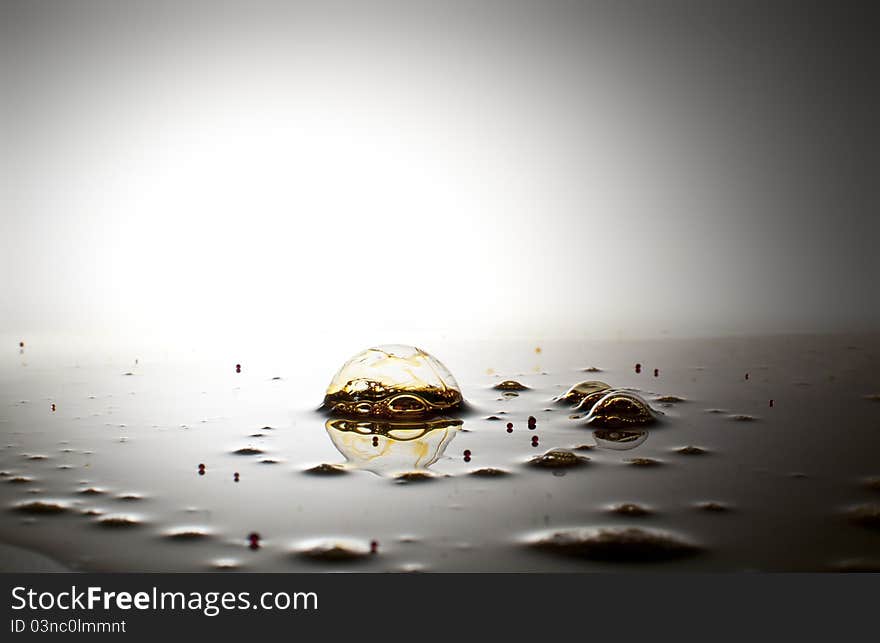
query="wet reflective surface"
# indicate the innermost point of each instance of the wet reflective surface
(111, 478)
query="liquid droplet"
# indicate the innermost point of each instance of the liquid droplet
(510, 385)
(558, 459)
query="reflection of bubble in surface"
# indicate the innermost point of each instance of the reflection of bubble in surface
(620, 409)
(388, 448)
(619, 440)
(579, 391)
(392, 381)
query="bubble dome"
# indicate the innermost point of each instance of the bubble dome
(620, 409)
(579, 391)
(392, 382)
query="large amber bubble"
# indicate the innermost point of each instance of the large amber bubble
(620, 410)
(392, 382)
(577, 393)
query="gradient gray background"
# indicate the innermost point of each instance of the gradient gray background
(541, 169)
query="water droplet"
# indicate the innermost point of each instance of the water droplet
(620, 409)
(392, 381)
(630, 510)
(187, 534)
(625, 545)
(336, 550)
(510, 385)
(43, 507)
(489, 472)
(670, 399)
(118, 522)
(579, 391)
(247, 451)
(867, 515)
(326, 470)
(691, 450)
(558, 459)
(644, 462)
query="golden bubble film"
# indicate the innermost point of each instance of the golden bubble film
(620, 410)
(392, 382)
(579, 391)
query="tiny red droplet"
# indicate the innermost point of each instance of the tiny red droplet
(747, 376)
(21, 344)
(638, 368)
(467, 458)
(467, 452)
(374, 546)
(375, 441)
(201, 466)
(510, 429)
(235, 476)
(771, 404)
(254, 539)
(656, 372)
(238, 368)
(510, 426)
(532, 422)
(53, 406)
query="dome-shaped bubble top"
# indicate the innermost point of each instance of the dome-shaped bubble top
(392, 381)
